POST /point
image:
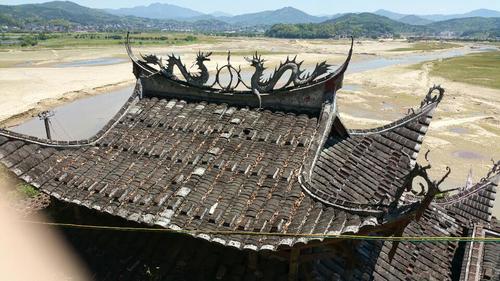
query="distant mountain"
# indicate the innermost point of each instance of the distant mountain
(220, 14)
(283, 15)
(476, 13)
(167, 11)
(483, 13)
(287, 22)
(414, 20)
(371, 25)
(476, 27)
(389, 14)
(51, 16)
(157, 11)
(440, 17)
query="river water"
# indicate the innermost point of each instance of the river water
(83, 118)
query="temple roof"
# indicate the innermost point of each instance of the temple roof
(193, 158)
(206, 166)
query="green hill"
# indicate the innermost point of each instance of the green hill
(63, 11)
(358, 25)
(283, 15)
(475, 27)
(414, 20)
(371, 25)
(37, 17)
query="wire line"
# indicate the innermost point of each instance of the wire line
(292, 235)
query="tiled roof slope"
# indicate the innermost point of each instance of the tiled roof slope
(491, 256)
(482, 260)
(476, 203)
(177, 257)
(367, 168)
(190, 166)
(197, 166)
(411, 261)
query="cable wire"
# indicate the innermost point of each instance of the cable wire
(59, 124)
(413, 239)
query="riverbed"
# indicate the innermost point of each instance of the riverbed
(83, 118)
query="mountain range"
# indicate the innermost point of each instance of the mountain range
(376, 26)
(157, 11)
(284, 22)
(484, 13)
(283, 15)
(173, 12)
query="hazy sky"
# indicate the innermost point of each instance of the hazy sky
(311, 6)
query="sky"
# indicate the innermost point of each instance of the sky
(315, 7)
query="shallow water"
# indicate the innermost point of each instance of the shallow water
(381, 62)
(91, 62)
(459, 130)
(80, 119)
(465, 154)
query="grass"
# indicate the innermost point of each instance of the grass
(65, 40)
(21, 189)
(27, 190)
(479, 69)
(427, 46)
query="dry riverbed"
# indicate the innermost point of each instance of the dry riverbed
(465, 133)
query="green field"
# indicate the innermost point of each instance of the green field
(479, 69)
(64, 40)
(427, 46)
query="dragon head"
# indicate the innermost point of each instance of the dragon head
(152, 59)
(256, 61)
(202, 57)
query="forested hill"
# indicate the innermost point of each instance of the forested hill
(371, 25)
(62, 11)
(71, 16)
(358, 25)
(476, 27)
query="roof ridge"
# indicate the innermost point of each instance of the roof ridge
(427, 105)
(464, 194)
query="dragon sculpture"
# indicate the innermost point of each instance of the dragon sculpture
(198, 79)
(297, 76)
(153, 59)
(258, 84)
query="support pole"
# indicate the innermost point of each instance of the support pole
(47, 128)
(293, 268)
(45, 116)
(253, 260)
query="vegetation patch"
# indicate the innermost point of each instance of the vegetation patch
(427, 46)
(97, 39)
(27, 190)
(479, 69)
